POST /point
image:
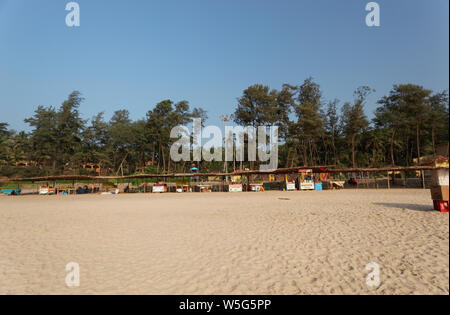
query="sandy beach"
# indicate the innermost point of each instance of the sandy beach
(225, 243)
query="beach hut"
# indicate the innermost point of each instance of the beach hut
(306, 181)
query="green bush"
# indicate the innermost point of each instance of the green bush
(8, 171)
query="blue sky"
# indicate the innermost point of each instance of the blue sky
(132, 54)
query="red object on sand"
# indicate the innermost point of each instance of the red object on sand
(440, 205)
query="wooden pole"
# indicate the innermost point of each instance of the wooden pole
(423, 180)
(388, 181)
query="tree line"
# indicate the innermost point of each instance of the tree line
(409, 122)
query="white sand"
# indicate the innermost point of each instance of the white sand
(224, 243)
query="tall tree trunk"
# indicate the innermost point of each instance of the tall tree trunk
(168, 162)
(354, 150)
(407, 152)
(392, 147)
(164, 159)
(153, 153)
(234, 158)
(305, 154)
(311, 159)
(418, 142)
(333, 143)
(121, 164)
(433, 140)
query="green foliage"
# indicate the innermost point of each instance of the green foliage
(261, 106)
(416, 120)
(409, 122)
(4, 133)
(308, 129)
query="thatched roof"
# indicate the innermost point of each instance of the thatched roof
(292, 170)
(436, 161)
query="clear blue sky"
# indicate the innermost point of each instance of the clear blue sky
(132, 54)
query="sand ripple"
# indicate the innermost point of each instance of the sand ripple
(221, 243)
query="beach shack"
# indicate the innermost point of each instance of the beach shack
(290, 184)
(306, 181)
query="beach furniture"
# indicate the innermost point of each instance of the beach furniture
(336, 184)
(159, 188)
(45, 190)
(318, 186)
(440, 205)
(440, 189)
(81, 191)
(182, 186)
(205, 188)
(65, 190)
(257, 187)
(290, 186)
(307, 184)
(274, 186)
(11, 192)
(235, 188)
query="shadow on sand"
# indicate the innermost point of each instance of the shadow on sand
(406, 206)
